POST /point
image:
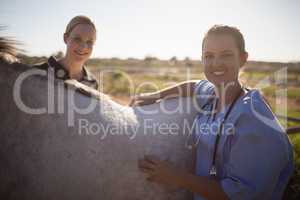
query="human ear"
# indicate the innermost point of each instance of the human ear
(66, 38)
(243, 58)
(202, 59)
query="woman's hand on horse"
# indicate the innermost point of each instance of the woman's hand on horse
(162, 172)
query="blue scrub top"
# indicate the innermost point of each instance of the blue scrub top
(254, 158)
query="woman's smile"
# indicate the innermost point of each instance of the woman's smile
(80, 53)
(218, 73)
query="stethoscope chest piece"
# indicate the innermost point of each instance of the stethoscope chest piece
(213, 171)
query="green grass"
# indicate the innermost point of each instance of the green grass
(292, 92)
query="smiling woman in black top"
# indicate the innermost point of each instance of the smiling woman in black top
(79, 37)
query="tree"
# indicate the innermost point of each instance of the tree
(173, 60)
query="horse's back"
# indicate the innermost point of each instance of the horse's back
(90, 156)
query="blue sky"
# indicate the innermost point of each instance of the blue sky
(160, 28)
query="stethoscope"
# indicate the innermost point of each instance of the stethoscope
(213, 169)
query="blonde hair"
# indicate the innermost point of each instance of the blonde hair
(80, 19)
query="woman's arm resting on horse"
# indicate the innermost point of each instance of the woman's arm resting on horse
(183, 89)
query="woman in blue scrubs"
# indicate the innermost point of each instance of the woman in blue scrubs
(242, 152)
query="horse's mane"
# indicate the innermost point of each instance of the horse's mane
(8, 48)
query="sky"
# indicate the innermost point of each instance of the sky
(160, 28)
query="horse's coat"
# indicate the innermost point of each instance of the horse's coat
(63, 154)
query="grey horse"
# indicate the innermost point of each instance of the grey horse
(63, 140)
